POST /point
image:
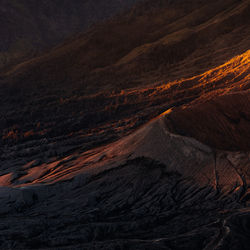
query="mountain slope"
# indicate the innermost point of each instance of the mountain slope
(75, 115)
(28, 26)
(212, 107)
(155, 45)
(145, 47)
(133, 135)
(149, 190)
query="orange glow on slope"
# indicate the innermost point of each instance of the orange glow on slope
(233, 74)
(229, 77)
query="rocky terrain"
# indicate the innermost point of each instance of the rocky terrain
(142, 144)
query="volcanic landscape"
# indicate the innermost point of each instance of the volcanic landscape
(125, 125)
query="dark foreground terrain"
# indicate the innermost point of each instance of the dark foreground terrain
(142, 144)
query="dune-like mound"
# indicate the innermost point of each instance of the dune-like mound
(222, 122)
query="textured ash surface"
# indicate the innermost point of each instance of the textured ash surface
(150, 190)
(84, 166)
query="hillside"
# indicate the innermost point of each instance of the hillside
(156, 44)
(132, 135)
(61, 86)
(151, 189)
(28, 27)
